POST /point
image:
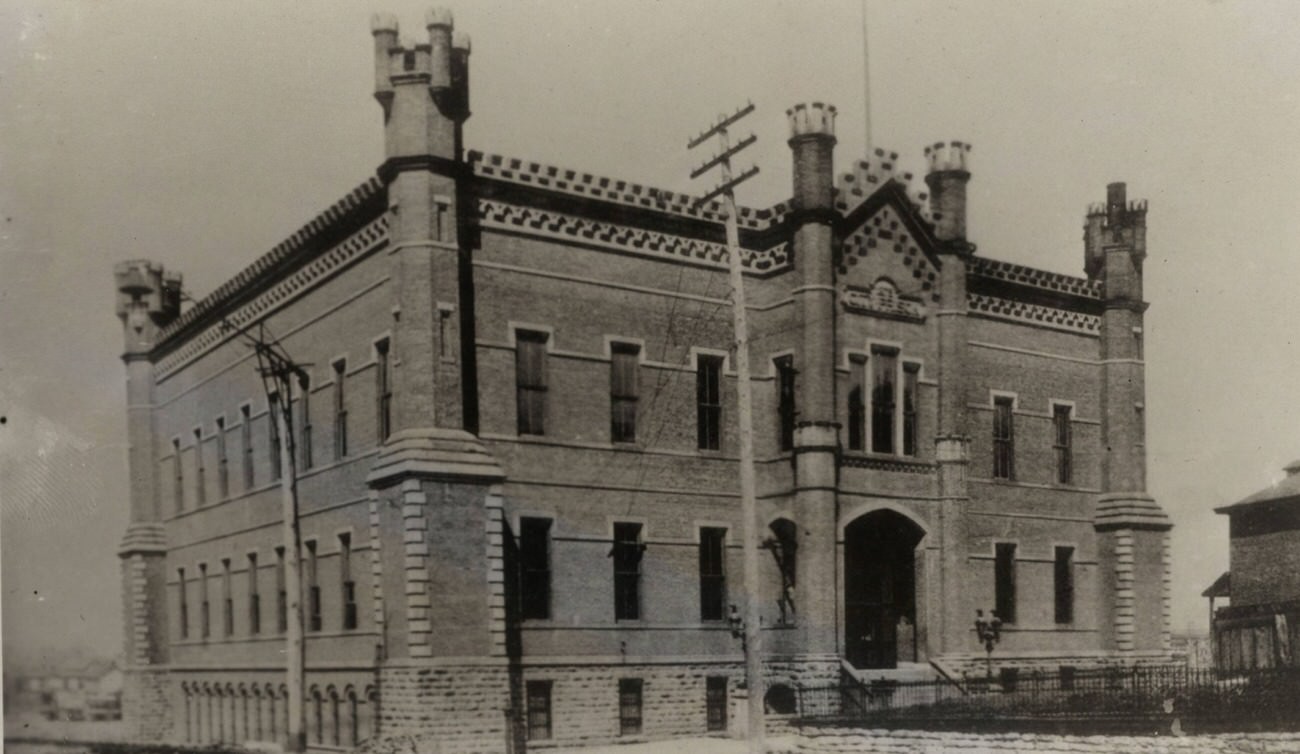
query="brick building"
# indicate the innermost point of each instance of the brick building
(1261, 626)
(517, 449)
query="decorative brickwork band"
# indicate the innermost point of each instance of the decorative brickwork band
(494, 214)
(1035, 314)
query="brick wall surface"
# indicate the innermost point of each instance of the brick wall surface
(445, 708)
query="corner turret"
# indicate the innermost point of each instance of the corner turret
(148, 299)
(947, 175)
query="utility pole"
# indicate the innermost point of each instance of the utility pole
(749, 512)
(278, 372)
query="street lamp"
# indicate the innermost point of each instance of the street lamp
(989, 631)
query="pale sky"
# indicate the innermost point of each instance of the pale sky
(201, 134)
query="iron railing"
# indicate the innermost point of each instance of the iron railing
(1139, 692)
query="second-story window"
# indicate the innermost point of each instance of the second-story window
(313, 590)
(530, 382)
(184, 601)
(178, 476)
(246, 444)
(708, 398)
(340, 410)
(623, 391)
(273, 433)
(304, 420)
(254, 600)
(884, 366)
(713, 573)
(785, 410)
(1063, 443)
(223, 463)
(383, 391)
(1004, 438)
(200, 482)
(535, 568)
(627, 571)
(911, 372)
(349, 586)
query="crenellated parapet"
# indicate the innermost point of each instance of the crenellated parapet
(148, 299)
(947, 176)
(1116, 223)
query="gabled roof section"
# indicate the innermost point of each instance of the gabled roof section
(360, 205)
(1285, 490)
(1222, 586)
(870, 225)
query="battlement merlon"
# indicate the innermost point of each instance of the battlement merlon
(953, 156)
(148, 299)
(813, 119)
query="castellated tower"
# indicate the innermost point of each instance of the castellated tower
(148, 298)
(947, 176)
(1133, 531)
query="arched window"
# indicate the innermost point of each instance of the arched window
(333, 695)
(257, 713)
(372, 699)
(317, 710)
(780, 700)
(350, 718)
(241, 727)
(189, 711)
(284, 717)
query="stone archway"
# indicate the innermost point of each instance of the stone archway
(880, 589)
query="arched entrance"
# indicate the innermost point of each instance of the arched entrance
(880, 589)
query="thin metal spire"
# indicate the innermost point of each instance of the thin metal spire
(866, 80)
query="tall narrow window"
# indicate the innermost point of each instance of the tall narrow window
(227, 601)
(713, 574)
(911, 372)
(313, 590)
(784, 545)
(204, 611)
(1137, 344)
(304, 420)
(708, 397)
(715, 702)
(246, 444)
(178, 476)
(273, 433)
(383, 391)
(785, 410)
(857, 406)
(535, 568)
(623, 391)
(1004, 575)
(1064, 584)
(223, 462)
(884, 366)
(530, 381)
(281, 593)
(349, 586)
(627, 571)
(184, 601)
(340, 410)
(254, 599)
(200, 483)
(1063, 443)
(629, 706)
(539, 710)
(1004, 438)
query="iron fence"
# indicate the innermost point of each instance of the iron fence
(1268, 698)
